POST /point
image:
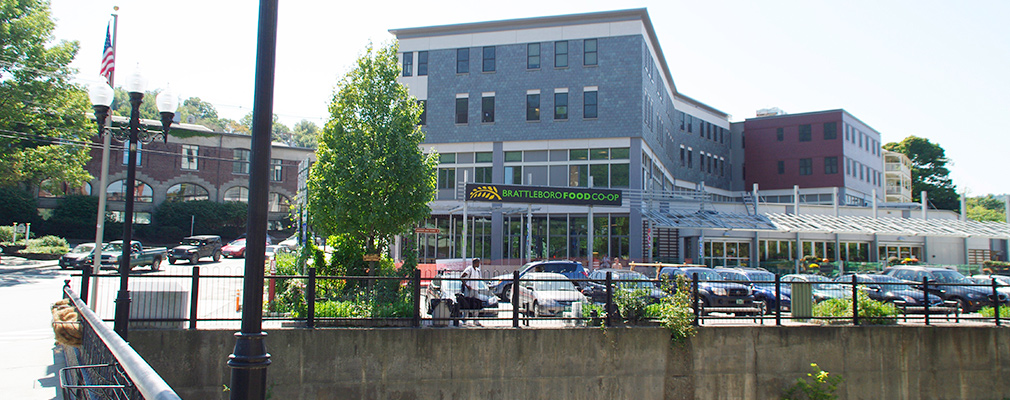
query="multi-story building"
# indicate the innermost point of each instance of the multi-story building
(897, 177)
(195, 164)
(558, 101)
(819, 152)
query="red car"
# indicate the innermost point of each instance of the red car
(236, 248)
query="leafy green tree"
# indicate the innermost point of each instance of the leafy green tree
(40, 107)
(305, 133)
(17, 205)
(279, 131)
(196, 111)
(929, 172)
(986, 208)
(371, 180)
(208, 218)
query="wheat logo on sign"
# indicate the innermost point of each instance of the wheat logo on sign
(485, 192)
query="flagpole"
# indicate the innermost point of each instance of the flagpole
(103, 181)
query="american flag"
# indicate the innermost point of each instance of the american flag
(108, 58)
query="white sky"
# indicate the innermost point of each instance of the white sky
(934, 69)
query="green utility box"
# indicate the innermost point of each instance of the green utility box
(803, 300)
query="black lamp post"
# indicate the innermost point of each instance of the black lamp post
(101, 98)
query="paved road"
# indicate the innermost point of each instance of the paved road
(31, 361)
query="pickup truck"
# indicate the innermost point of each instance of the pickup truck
(140, 256)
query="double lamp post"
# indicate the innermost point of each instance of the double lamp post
(101, 97)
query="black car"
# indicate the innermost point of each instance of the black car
(890, 290)
(716, 294)
(194, 248)
(79, 256)
(623, 279)
(763, 286)
(950, 285)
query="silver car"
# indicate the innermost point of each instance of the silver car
(547, 293)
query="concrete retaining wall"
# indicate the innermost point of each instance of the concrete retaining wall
(616, 363)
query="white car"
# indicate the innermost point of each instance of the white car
(547, 293)
(291, 242)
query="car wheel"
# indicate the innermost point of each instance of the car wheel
(171, 260)
(962, 306)
(156, 264)
(217, 255)
(194, 259)
(241, 254)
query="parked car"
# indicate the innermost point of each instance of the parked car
(716, 294)
(78, 257)
(890, 289)
(447, 286)
(950, 284)
(763, 286)
(275, 249)
(623, 279)
(547, 293)
(821, 287)
(194, 248)
(139, 256)
(1002, 282)
(291, 242)
(501, 284)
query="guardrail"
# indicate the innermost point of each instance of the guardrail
(105, 366)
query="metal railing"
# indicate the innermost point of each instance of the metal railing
(105, 366)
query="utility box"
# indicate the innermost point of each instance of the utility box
(803, 300)
(156, 299)
(440, 314)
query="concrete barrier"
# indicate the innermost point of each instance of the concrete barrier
(587, 363)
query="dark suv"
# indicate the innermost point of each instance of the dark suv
(949, 284)
(716, 294)
(194, 248)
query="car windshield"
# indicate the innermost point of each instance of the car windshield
(238, 242)
(560, 268)
(83, 248)
(703, 275)
(452, 284)
(190, 242)
(762, 279)
(544, 286)
(946, 276)
(887, 283)
(638, 281)
(113, 247)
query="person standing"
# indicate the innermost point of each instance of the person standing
(617, 263)
(470, 289)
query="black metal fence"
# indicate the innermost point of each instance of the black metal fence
(105, 366)
(212, 301)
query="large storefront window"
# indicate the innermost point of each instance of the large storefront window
(724, 253)
(900, 251)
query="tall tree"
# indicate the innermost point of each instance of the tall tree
(371, 180)
(279, 131)
(986, 208)
(929, 172)
(43, 123)
(305, 133)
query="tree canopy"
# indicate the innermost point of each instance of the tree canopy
(986, 208)
(42, 113)
(371, 180)
(305, 133)
(929, 172)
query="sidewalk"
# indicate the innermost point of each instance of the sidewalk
(16, 263)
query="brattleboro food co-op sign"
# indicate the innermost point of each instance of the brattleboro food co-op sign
(542, 194)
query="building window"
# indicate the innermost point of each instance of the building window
(462, 61)
(589, 104)
(533, 107)
(533, 56)
(589, 47)
(561, 105)
(408, 63)
(690, 124)
(487, 61)
(447, 158)
(561, 54)
(240, 165)
(189, 156)
(424, 109)
(487, 109)
(446, 178)
(482, 174)
(780, 134)
(681, 122)
(278, 203)
(690, 158)
(276, 170)
(514, 175)
(142, 192)
(578, 175)
(804, 133)
(186, 192)
(483, 157)
(830, 165)
(422, 63)
(461, 109)
(126, 154)
(806, 166)
(830, 130)
(682, 161)
(237, 193)
(782, 167)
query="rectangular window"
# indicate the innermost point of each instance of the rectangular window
(589, 48)
(276, 172)
(424, 110)
(533, 56)
(804, 133)
(578, 154)
(561, 105)
(830, 165)
(483, 157)
(240, 165)
(446, 178)
(589, 104)
(806, 166)
(487, 109)
(533, 107)
(487, 62)
(682, 161)
(578, 175)
(514, 175)
(462, 61)
(690, 123)
(561, 54)
(619, 153)
(447, 158)
(830, 130)
(860, 139)
(681, 122)
(690, 158)
(482, 175)
(126, 154)
(619, 175)
(422, 63)
(189, 156)
(462, 103)
(600, 174)
(701, 161)
(782, 167)
(780, 134)
(513, 156)
(847, 135)
(408, 63)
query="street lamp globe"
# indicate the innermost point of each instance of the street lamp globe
(167, 102)
(136, 82)
(101, 94)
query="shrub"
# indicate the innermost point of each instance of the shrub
(631, 304)
(7, 234)
(207, 217)
(46, 245)
(75, 216)
(17, 205)
(819, 385)
(676, 313)
(990, 312)
(871, 312)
